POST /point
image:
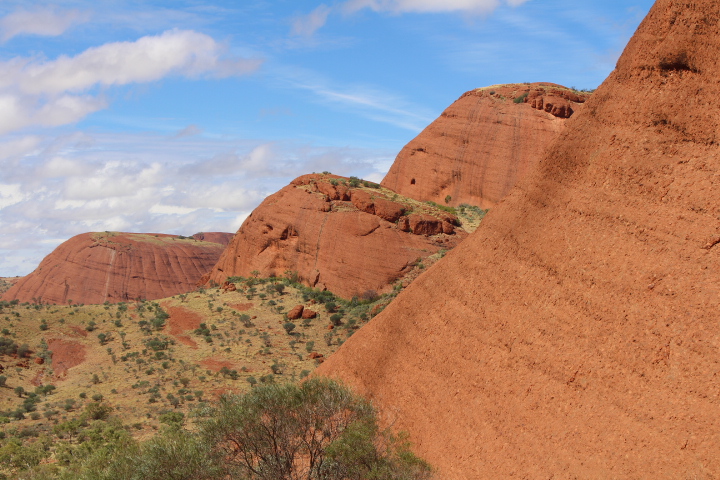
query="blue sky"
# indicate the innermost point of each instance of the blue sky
(181, 116)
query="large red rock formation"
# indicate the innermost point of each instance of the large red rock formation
(576, 333)
(483, 143)
(346, 239)
(98, 267)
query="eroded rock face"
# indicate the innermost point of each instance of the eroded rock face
(483, 144)
(335, 236)
(97, 267)
(575, 333)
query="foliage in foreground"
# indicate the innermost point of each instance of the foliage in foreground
(318, 430)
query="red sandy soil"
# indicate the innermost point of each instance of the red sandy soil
(37, 380)
(575, 334)
(182, 320)
(242, 307)
(215, 364)
(65, 355)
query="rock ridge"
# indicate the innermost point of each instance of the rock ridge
(575, 333)
(483, 143)
(96, 267)
(341, 234)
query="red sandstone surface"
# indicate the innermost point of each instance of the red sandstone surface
(483, 143)
(344, 239)
(575, 334)
(97, 267)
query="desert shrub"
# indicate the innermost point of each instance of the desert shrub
(316, 430)
(336, 319)
(98, 410)
(7, 346)
(521, 98)
(444, 208)
(157, 344)
(23, 350)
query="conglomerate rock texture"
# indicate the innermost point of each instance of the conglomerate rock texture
(337, 234)
(576, 333)
(93, 268)
(483, 143)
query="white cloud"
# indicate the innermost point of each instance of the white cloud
(47, 22)
(147, 59)
(10, 195)
(429, 6)
(146, 183)
(18, 147)
(307, 25)
(36, 92)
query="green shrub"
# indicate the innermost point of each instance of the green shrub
(521, 98)
(263, 435)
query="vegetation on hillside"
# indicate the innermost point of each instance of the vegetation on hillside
(315, 430)
(64, 368)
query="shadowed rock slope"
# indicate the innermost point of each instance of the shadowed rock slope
(576, 334)
(337, 234)
(483, 143)
(97, 267)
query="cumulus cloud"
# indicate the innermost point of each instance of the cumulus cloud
(429, 6)
(307, 25)
(36, 92)
(47, 22)
(146, 183)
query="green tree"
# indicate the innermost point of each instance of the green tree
(98, 410)
(316, 430)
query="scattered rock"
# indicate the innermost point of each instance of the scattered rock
(308, 314)
(295, 313)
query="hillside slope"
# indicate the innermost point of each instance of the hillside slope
(116, 267)
(482, 144)
(575, 334)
